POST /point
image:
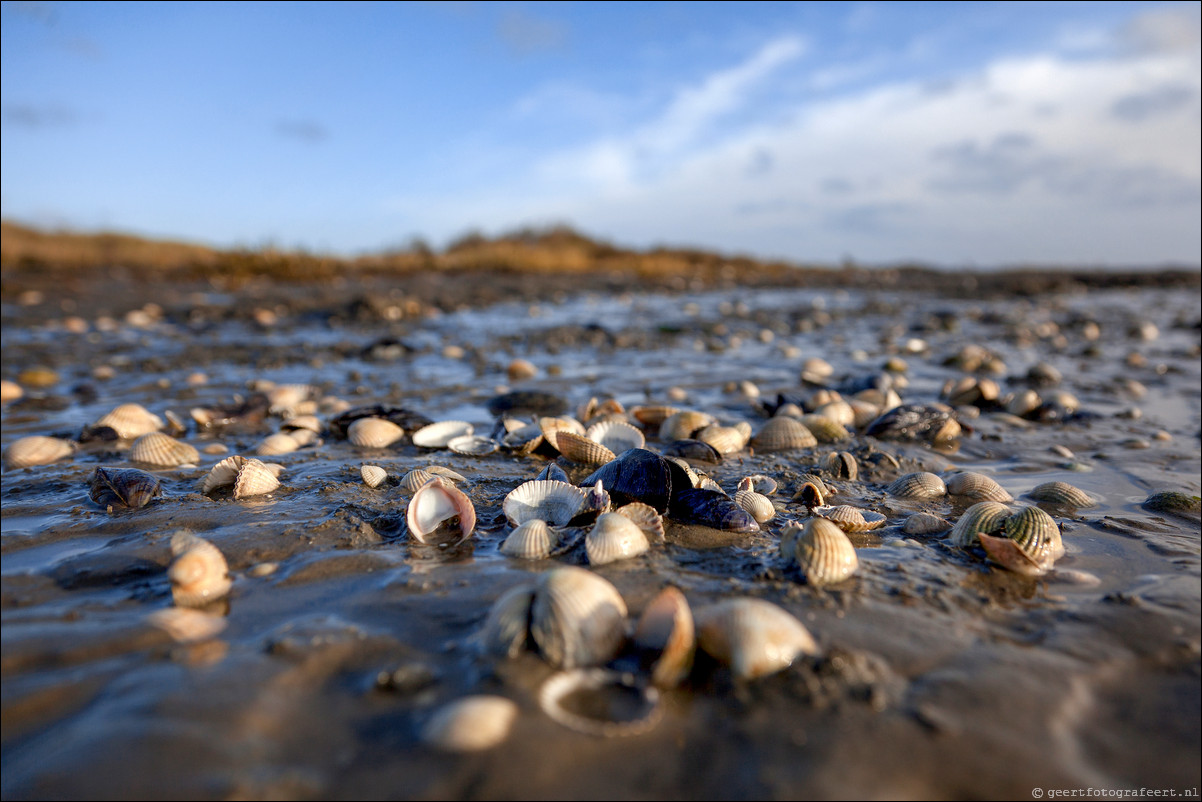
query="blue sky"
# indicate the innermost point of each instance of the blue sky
(972, 134)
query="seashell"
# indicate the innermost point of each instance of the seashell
(255, 478)
(415, 478)
(614, 537)
(554, 473)
(816, 370)
(711, 508)
(473, 445)
(1036, 534)
(596, 502)
(577, 618)
(123, 487)
(1062, 493)
(130, 421)
(977, 486)
(373, 433)
(985, 516)
(278, 443)
(783, 434)
(757, 505)
(850, 519)
(185, 625)
(646, 518)
(640, 475)
(284, 399)
(759, 483)
(824, 553)
(520, 370)
(10, 391)
(1011, 556)
(163, 450)
(825, 429)
(726, 440)
(555, 502)
(581, 449)
(837, 411)
(752, 636)
(373, 475)
(912, 422)
(1173, 503)
(812, 494)
(693, 450)
(842, 465)
(789, 410)
(704, 482)
(681, 425)
(580, 683)
(439, 435)
(617, 436)
(25, 452)
(524, 439)
(199, 574)
(865, 412)
(788, 540)
(533, 540)
(653, 415)
(507, 628)
(921, 485)
(551, 427)
(308, 423)
(471, 724)
(440, 514)
(665, 631)
(925, 523)
(398, 416)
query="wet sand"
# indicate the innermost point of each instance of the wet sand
(940, 674)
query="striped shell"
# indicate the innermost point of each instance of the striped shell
(850, 519)
(984, 517)
(557, 503)
(977, 486)
(726, 440)
(162, 450)
(279, 443)
(653, 415)
(665, 630)
(825, 428)
(681, 425)
(199, 574)
(577, 618)
(373, 433)
(26, 452)
(1034, 530)
(123, 487)
(614, 537)
(925, 523)
(824, 553)
(865, 412)
(551, 427)
(582, 450)
(417, 477)
(617, 436)
(1062, 493)
(131, 420)
(759, 483)
(373, 475)
(533, 540)
(440, 514)
(523, 440)
(646, 518)
(783, 434)
(438, 435)
(249, 476)
(921, 485)
(842, 465)
(757, 505)
(471, 724)
(753, 637)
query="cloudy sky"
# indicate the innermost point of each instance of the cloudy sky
(974, 134)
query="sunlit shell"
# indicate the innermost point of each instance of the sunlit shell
(186, 625)
(309, 423)
(10, 391)
(473, 445)
(123, 487)
(471, 724)
(373, 475)
(614, 537)
(920, 485)
(1036, 533)
(279, 443)
(850, 519)
(374, 433)
(523, 439)
(812, 494)
(1062, 493)
(199, 574)
(440, 434)
(977, 486)
(837, 411)
(653, 415)
(783, 434)
(255, 478)
(440, 514)
(551, 427)
(925, 523)
(824, 553)
(788, 540)
(581, 449)
(507, 628)
(554, 502)
(1011, 556)
(704, 482)
(752, 636)
(1023, 403)
(617, 436)
(520, 370)
(577, 619)
(757, 505)
(789, 410)
(285, 399)
(594, 411)
(985, 516)
(131, 420)
(816, 370)
(646, 518)
(533, 540)
(759, 483)
(665, 631)
(162, 450)
(26, 452)
(681, 425)
(842, 465)
(600, 718)
(726, 439)
(826, 429)
(865, 412)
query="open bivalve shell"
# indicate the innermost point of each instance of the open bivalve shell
(552, 501)
(577, 618)
(473, 445)
(123, 487)
(199, 574)
(617, 436)
(440, 514)
(752, 636)
(249, 477)
(581, 449)
(850, 519)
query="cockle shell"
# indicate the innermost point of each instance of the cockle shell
(26, 452)
(614, 537)
(552, 426)
(617, 436)
(665, 631)
(533, 540)
(837, 411)
(824, 553)
(577, 618)
(850, 519)
(309, 423)
(752, 636)
(977, 486)
(473, 445)
(471, 724)
(199, 574)
(681, 425)
(555, 502)
(726, 440)
(757, 505)
(783, 434)
(417, 477)
(646, 518)
(842, 465)
(374, 433)
(920, 485)
(581, 683)
(1035, 531)
(524, 439)
(925, 523)
(826, 429)
(440, 434)
(440, 514)
(123, 487)
(759, 483)
(162, 450)
(279, 443)
(373, 475)
(985, 516)
(130, 421)
(581, 449)
(249, 476)
(1062, 493)
(507, 628)
(653, 415)
(287, 399)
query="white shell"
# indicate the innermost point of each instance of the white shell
(850, 519)
(433, 510)
(473, 445)
(646, 518)
(752, 636)
(824, 553)
(533, 540)
(374, 433)
(666, 628)
(757, 505)
(580, 681)
(278, 443)
(614, 537)
(925, 523)
(199, 574)
(471, 724)
(554, 502)
(26, 452)
(783, 434)
(163, 450)
(577, 619)
(373, 475)
(249, 476)
(131, 420)
(440, 434)
(617, 436)
(507, 627)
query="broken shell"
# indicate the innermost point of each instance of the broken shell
(756, 504)
(473, 445)
(824, 553)
(1062, 493)
(440, 514)
(26, 452)
(125, 487)
(198, 573)
(163, 450)
(373, 475)
(752, 636)
(552, 501)
(130, 421)
(617, 436)
(374, 433)
(646, 518)
(842, 465)
(812, 494)
(614, 537)
(759, 483)
(577, 619)
(850, 519)
(925, 523)
(440, 434)
(581, 449)
(783, 434)
(665, 631)
(533, 540)
(921, 485)
(977, 486)
(588, 681)
(984, 517)
(471, 724)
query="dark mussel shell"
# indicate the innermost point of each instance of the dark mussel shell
(640, 475)
(522, 403)
(123, 487)
(407, 419)
(693, 449)
(910, 422)
(711, 508)
(555, 473)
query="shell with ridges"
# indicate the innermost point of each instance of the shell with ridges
(373, 433)
(552, 426)
(440, 514)
(681, 425)
(1062, 493)
(255, 478)
(125, 487)
(438, 435)
(757, 505)
(653, 415)
(665, 630)
(617, 436)
(199, 574)
(919, 485)
(163, 450)
(925, 523)
(582, 450)
(977, 486)
(614, 537)
(37, 449)
(373, 475)
(985, 516)
(850, 519)
(646, 518)
(726, 440)
(825, 429)
(473, 445)
(555, 502)
(1036, 533)
(577, 619)
(783, 434)
(759, 483)
(471, 724)
(824, 553)
(842, 465)
(752, 636)
(533, 540)
(131, 420)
